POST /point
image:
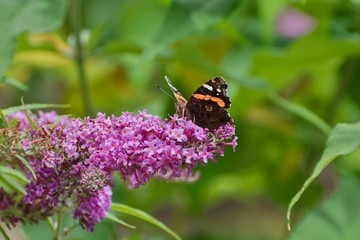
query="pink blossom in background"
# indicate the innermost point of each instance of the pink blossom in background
(292, 23)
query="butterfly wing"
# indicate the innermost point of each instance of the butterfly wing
(181, 102)
(207, 105)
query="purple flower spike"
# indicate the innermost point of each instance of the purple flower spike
(74, 161)
(93, 208)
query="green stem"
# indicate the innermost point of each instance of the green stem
(51, 224)
(72, 227)
(58, 225)
(75, 25)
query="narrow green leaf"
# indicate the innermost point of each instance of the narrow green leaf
(27, 165)
(31, 121)
(13, 83)
(301, 112)
(51, 223)
(7, 49)
(33, 106)
(298, 110)
(3, 233)
(9, 184)
(13, 122)
(3, 118)
(344, 139)
(14, 173)
(144, 216)
(59, 119)
(115, 219)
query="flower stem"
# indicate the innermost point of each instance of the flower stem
(68, 230)
(58, 225)
(75, 25)
(51, 224)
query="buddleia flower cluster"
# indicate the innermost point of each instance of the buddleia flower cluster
(74, 160)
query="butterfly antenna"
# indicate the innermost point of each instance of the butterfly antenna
(157, 85)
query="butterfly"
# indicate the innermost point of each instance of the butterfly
(207, 105)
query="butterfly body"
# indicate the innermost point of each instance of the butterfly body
(207, 105)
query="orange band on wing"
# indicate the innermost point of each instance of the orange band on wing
(219, 101)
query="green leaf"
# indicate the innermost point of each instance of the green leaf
(58, 119)
(14, 173)
(117, 220)
(33, 106)
(31, 15)
(26, 164)
(13, 83)
(344, 139)
(336, 218)
(268, 12)
(31, 121)
(188, 17)
(301, 112)
(3, 233)
(26, 16)
(321, 60)
(298, 110)
(3, 118)
(9, 184)
(7, 49)
(144, 216)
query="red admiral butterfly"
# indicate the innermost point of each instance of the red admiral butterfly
(207, 105)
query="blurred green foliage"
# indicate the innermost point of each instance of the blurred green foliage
(337, 217)
(128, 46)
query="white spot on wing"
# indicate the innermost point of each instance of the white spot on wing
(208, 87)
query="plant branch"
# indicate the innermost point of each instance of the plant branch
(58, 225)
(75, 25)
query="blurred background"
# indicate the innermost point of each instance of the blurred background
(108, 56)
